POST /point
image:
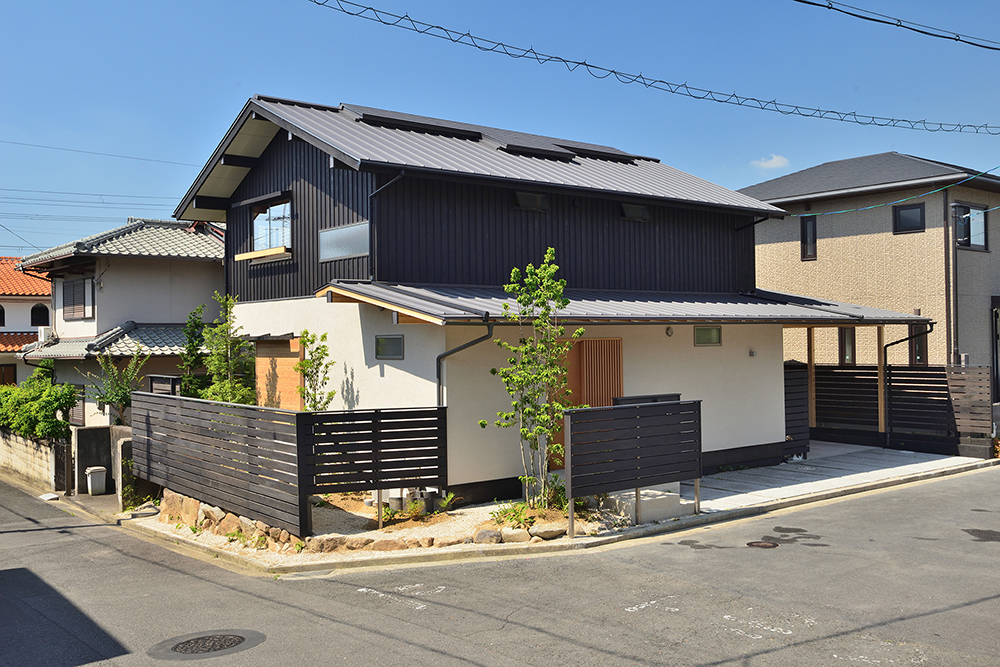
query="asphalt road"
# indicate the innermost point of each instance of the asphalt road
(897, 577)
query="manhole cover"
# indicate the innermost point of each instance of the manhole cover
(200, 645)
(763, 545)
(208, 644)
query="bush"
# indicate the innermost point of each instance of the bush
(33, 408)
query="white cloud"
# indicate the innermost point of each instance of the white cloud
(773, 162)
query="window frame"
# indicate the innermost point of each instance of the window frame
(78, 311)
(261, 207)
(384, 357)
(704, 328)
(531, 201)
(986, 238)
(35, 320)
(327, 230)
(847, 337)
(77, 415)
(918, 344)
(807, 223)
(896, 210)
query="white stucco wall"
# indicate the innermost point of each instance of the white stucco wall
(17, 314)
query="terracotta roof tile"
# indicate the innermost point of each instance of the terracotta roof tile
(15, 283)
(13, 342)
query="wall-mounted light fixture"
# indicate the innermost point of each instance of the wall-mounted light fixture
(753, 353)
(670, 331)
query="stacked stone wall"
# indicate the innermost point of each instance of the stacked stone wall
(30, 459)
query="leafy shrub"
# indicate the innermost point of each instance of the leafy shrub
(33, 408)
(515, 514)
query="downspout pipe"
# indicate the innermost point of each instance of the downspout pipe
(444, 355)
(888, 403)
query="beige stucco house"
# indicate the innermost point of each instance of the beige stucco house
(888, 231)
(122, 292)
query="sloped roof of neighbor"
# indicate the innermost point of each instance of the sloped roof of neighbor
(15, 283)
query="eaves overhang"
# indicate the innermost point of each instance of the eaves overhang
(978, 182)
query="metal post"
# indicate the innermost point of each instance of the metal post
(568, 470)
(638, 514)
(697, 495)
(378, 503)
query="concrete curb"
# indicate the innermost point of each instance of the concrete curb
(473, 552)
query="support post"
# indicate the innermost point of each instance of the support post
(881, 378)
(811, 372)
(638, 514)
(697, 495)
(568, 469)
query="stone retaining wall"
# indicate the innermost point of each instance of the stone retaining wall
(31, 459)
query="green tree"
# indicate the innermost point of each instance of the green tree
(315, 370)
(33, 408)
(230, 360)
(115, 384)
(193, 355)
(536, 377)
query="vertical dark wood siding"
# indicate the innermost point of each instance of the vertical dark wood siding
(471, 233)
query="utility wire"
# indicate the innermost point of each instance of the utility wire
(875, 17)
(2, 226)
(68, 203)
(74, 150)
(598, 72)
(84, 194)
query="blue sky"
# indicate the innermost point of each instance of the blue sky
(165, 80)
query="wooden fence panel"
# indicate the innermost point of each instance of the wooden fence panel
(632, 446)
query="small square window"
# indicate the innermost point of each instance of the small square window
(807, 229)
(705, 336)
(909, 218)
(970, 226)
(532, 201)
(389, 347)
(272, 225)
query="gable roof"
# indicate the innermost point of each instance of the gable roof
(15, 283)
(125, 340)
(443, 304)
(363, 137)
(870, 173)
(168, 239)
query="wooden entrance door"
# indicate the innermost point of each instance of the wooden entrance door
(594, 376)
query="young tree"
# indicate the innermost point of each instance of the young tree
(536, 377)
(315, 370)
(114, 386)
(230, 361)
(193, 354)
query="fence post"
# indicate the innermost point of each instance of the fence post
(303, 449)
(568, 468)
(377, 465)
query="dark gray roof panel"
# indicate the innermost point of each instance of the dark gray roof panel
(406, 141)
(465, 303)
(882, 169)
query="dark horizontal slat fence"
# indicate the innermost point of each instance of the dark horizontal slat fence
(847, 397)
(796, 409)
(631, 446)
(264, 463)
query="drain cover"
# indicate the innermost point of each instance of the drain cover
(208, 644)
(200, 645)
(763, 545)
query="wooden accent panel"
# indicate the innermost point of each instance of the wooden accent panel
(632, 446)
(277, 380)
(601, 374)
(971, 390)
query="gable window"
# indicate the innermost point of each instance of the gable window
(909, 218)
(970, 226)
(807, 232)
(77, 299)
(272, 225)
(918, 345)
(707, 336)
(532, 201)
(39, 315)
(848, 346)
(389, 347)
(342, 242)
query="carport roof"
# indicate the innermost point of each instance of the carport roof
(449, 304)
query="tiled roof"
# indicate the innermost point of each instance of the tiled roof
(126, 340)
(362, 137)
(868, 173)
(462, 304)
(143, 238)
(14, 341)
(15, 283)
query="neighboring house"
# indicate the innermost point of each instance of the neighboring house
(24, 306)
(906, 234)
(409, 226)
(124, 291)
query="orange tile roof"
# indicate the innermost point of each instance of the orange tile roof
(13, 342)
(15, 283)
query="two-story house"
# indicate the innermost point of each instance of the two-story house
(24, 306)
(889, 231)
(125, 291)
(407, 227)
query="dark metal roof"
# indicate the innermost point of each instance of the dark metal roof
(883, 171)
(168, 239)
(361, 136)
(442, 304)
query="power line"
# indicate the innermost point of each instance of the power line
(84, 194)
(875, 17)
(598, 72)
(75, 150)
(58, 218)
(65, 203)
(2, 226)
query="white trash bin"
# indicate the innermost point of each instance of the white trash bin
(96, 477)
